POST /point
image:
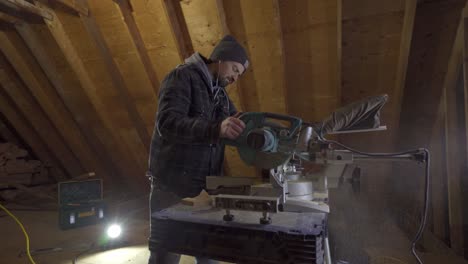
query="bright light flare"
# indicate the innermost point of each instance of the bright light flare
(114, 231)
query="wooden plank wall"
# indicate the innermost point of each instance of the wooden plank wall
(429, 71)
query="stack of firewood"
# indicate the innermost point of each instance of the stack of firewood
(16, 168)
(24, 180)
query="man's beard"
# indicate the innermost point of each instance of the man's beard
(222, 82)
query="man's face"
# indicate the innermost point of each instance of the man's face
(228, 72)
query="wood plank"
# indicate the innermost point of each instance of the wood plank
(405, 45)
(162, 48)
(439, 196)
(455, 142)
(22, 5)
(81, 139)
(434, 32)
(259, 35)
(71, 5)
(310, 37)
(179, 28)
(116, 77)
(284, 86)
(74, 5)
(126, 10)
(12, 86)
(110, 135)
(29, 135)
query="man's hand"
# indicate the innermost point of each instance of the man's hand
(231, 128)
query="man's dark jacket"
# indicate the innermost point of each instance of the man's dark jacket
(185, 146)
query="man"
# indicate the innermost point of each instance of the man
(194, 114)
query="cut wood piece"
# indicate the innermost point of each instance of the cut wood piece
(203, 199)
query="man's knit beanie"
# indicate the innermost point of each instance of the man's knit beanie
(228, 49)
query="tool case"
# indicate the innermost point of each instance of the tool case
(80, 203)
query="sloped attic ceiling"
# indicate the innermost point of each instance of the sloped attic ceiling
(80, 79)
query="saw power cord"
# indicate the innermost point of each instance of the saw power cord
(427, 160)
(24, 231)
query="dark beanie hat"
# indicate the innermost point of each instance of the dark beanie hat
(228, 49)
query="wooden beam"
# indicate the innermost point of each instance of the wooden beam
(126, 10)
(29, 135)
(179, 28)
(233, 165)
(339, 52)
(9, 134)
(405, 46)
(439, 196)
(82, 140)
(455, 142)
(24, 6)
(118, 153)
(117, 79)
(74, 5)
(71, 5)
(282, 55)
(9, 19)
(310, 33)
(235, 93)
(35, 85)
(434, 32)
(222, 17)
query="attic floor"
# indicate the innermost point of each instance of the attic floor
(356, 236)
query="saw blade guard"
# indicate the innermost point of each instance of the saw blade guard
(268, 139)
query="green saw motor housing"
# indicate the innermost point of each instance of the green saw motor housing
(268, 138)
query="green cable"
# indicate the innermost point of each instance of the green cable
(24, 231)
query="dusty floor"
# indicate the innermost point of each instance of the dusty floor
(357, 234)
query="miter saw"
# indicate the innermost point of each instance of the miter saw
(281, 143)
(294, 202)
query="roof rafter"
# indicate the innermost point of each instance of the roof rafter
(126, 10)
(24, 6)
(179, 28)
(117, 78)
(81, 139)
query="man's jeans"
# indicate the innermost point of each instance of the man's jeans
(160, 200)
